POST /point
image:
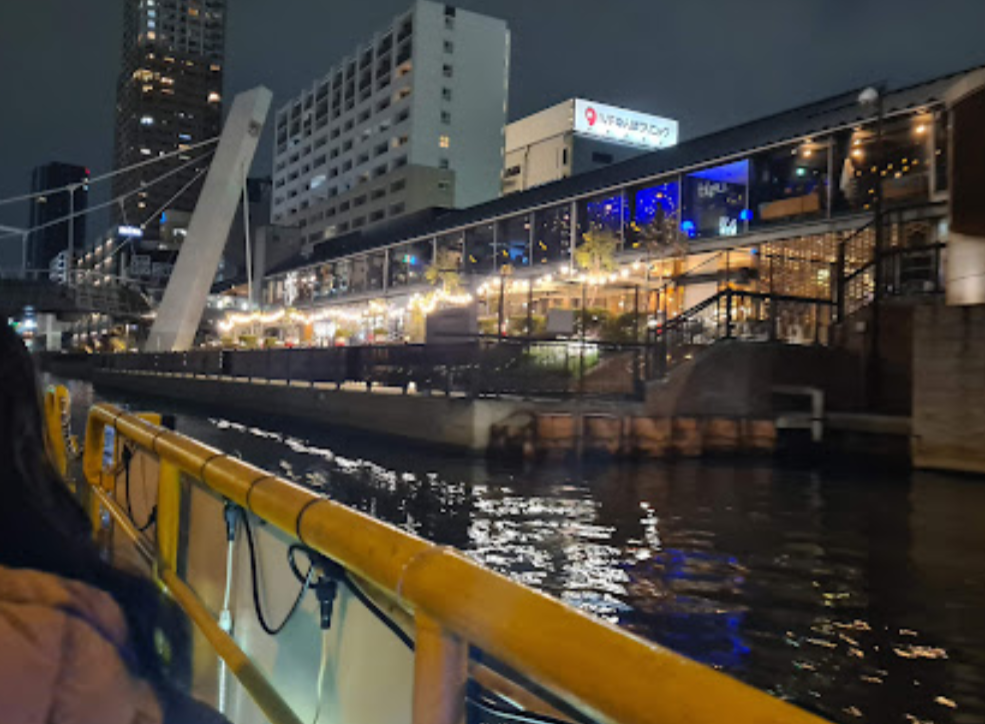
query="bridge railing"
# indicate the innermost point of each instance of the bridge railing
(456, 616)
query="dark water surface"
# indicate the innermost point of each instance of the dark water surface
(858, 595)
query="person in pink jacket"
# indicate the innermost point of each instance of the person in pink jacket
(80, 641)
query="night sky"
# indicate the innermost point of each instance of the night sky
(707, 63)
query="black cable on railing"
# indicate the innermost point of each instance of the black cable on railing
(306, 581)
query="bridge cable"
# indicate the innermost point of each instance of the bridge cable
(110, 174)
(170, 201)
(111, 202)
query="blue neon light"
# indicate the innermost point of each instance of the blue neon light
(745, 215)
(650, 202)
(688, 227)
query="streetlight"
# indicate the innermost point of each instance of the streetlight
(872, 97)
(24, 234)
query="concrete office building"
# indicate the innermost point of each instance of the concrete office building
(575, 137)
(169, 97)
(412, 120)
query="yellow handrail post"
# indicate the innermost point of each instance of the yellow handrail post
(441, 663)
(55, 402)
(168, 514)
(92, 466)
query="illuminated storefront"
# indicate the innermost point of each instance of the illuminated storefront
(782, 206)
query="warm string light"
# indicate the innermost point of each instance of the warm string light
(426, 303)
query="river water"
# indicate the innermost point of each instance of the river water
(859, 595)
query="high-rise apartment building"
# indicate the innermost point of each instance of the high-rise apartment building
(412, 120)
(64, 191)
(169, 98)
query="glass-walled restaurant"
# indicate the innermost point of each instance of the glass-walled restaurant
(772, 221)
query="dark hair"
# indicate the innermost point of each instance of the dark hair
(42, 527)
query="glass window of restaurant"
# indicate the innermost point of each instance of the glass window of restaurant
(789, 184)
(367, 273)
(901, 161)
(714, 201)
(409, 263)
(552, 235)
(653, 217)
(603, 214)
(479, 249)
(513, 242)
(340, 277)
(451, 251)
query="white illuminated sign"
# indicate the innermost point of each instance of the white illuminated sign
(622, 126)
(130, 231)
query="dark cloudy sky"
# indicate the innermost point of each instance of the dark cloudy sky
(708, 63)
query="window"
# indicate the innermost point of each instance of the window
(396, 209)
(344, 206)
(398, 186)
(377, 216)
(347, 166)
(359, 201)
(320, 160)
(379, 170)
(359, 221)
(378, 193)
(363, 158)
(449, 46)
(444, 163)
(446, 117)
(444, 185)
(444, 142)
(714, 200)
(400, 162)
(347, 146)
(601, 157)
(403, 115)
(446, 94)
(447, 71)
(380, 149)
(449, 23)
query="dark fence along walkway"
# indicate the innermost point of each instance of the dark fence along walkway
(474, 369)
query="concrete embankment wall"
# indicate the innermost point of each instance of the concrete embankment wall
(949, 388)
(452, 422)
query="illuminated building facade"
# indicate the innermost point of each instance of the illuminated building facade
(782, 206)
(169, 98)
(412, 120)
(575, 137)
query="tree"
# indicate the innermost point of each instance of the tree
(444, 272)
(597, 254)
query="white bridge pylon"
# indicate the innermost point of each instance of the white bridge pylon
(188, 289)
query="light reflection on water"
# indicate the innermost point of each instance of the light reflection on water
(858, 596)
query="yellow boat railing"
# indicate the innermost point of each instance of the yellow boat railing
(599, 670)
